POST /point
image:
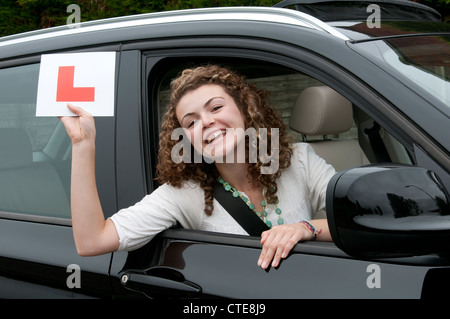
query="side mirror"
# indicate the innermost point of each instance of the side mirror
(380, 211)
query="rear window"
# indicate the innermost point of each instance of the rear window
(34, 152)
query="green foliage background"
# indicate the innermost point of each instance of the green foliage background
(25, 15)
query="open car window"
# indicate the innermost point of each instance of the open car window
(290, 90)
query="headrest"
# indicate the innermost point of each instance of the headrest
(319, 110)
(15, 148)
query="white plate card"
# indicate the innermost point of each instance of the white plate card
(83, 79)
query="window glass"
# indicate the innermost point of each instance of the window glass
(423, 60)
(34, 151)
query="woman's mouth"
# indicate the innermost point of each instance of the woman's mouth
(214, 135)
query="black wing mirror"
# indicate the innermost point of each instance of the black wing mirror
(388, 211)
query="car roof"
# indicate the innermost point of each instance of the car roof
(167, 24)
(262, 14)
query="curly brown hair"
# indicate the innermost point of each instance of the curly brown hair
(252, 102)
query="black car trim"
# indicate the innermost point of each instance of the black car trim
(308, 247)
(313, 248)
(36, 218)
(399, 36)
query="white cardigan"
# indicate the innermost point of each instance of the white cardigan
(301, 193)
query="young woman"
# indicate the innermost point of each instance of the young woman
(219, 115)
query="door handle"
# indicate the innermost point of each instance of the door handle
(160, 282)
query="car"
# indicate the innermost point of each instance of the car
(386, 76)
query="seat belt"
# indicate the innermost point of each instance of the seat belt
(245, 217)
(378, 147)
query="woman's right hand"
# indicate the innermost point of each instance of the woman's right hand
(80, 127)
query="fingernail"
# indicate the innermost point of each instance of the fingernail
(264, 265)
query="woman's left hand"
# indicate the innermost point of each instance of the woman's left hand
(278, 242)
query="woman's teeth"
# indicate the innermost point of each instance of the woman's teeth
(213, 136)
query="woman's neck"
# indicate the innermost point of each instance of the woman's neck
(236, 175)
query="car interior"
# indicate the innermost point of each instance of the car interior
(28, 187)
(338, 130)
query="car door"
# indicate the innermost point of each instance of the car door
(194, 264)
(38, 258)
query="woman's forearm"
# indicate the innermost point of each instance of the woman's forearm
(87, 215)
(93, 235)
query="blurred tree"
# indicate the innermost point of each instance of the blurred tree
(13, 19)
(443, 6)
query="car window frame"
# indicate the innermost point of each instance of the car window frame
(298, 59)
(105, 128)
(294, 57)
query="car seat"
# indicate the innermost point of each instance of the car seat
(25, 186)
(319, 110)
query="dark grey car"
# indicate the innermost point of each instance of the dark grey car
(388, 205)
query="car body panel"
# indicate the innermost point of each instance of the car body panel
(202, 262)
(30, 258)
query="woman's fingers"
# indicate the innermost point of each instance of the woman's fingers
(270, 248)
(79, 127)
(277, 243)
(77, 110)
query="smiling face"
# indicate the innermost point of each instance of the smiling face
(212, 119)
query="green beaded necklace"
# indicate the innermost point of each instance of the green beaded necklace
(263, 214)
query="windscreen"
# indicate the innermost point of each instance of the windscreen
(424, 59)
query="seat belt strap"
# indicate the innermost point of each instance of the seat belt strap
(378, 147)
(245, 217)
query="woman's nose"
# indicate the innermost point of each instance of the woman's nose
(208, 120)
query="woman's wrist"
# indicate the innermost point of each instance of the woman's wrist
(87, 145)
(310, 228)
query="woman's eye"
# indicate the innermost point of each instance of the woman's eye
(191, 123)
(217, 107)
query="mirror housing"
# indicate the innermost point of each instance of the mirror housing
(380, 211)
